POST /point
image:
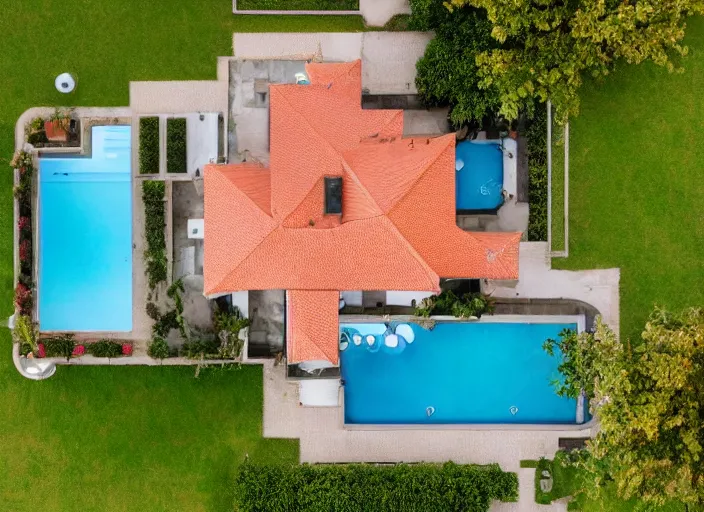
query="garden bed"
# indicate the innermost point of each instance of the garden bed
(149, 145)
(176, 154)
(297, 5)
(154, 215)
(65, 346)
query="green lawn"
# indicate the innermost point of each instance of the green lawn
(637, 186)
(121, 439)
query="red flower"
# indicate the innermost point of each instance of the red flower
(24, 223)
(79, 350)
(41, 352)
(25, 250)
(23, 299)
(126, 349)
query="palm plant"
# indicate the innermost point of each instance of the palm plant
(25, 333)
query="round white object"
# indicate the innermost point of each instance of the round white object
(391, 341)
(459, 164)
(357, 339)
(406, 332)
(370, 340)
(343, 346)
(65, 83)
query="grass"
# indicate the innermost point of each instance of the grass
(129, 439)
(567, 482)
(298, 5)
(108, 438)
(636, 193)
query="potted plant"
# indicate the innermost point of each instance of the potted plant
(56, 127)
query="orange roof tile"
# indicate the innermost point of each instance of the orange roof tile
(312, 326)
(266, 229)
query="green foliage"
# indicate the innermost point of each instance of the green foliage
(228, 325)
(60, 346)
(447, 303)
(537, 145)
(447, 74)
(360, 487)
(200, 348)
(298, 5)
(648, 396)
(577, 363)
(548, 46)
(25, 332)
(158, 348)
(176, 155)
(153, 311)
(155, 254)
(104, 348)
(165, 323)
(149, 145)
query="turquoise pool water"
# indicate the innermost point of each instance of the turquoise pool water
(85, 237)
(459, 372)
(479, 179)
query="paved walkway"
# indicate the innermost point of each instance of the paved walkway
(388, 58)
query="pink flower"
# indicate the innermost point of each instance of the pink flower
(126, 349)
(23, 299)
(24, 223)
(25, 250)
(40, 350)
(79, 350)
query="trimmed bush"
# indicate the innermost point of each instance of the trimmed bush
(149, 145)
(176, 145)
(360, 487)
(536, 136)
(60, 346)
(155, 254)
(105, 348)
(298, 5)
(158, 348)
(197, 348)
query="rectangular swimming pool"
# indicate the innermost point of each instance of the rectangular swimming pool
(479, 177)
(85, 237)
(456, 373)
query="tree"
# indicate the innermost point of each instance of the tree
(649, 400)
(547, 46)
(448, 74)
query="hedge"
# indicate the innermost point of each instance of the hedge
(155, 254)
(298, 5)
(149, 145)
(536, 136)
(361, 487)
(176, 145)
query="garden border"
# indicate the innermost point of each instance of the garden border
(235, 10)
(565, 252)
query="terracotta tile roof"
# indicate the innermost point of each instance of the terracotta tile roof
(266, 228)
(312, 326)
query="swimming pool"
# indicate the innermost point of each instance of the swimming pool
(85, 237)
(457, 373)
(479, 177)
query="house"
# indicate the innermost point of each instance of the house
(345, 204)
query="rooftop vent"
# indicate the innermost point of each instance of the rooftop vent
(333, 195)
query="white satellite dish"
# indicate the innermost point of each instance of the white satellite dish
(65, 83)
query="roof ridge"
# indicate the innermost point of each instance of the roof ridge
(434, 277)
(418, 178)
(233, 166)
(353, 175)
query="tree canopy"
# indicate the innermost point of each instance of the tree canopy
(649, 399)
(544, 48)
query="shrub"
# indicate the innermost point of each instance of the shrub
(60, 346)
(204, 347)
(105, 348)
(153, 311)
(166, 322)
(359, 487)
(149, 145)
(447, 303)
(536, 136)
(176, 145)
(24, 224)
(25, 333)
(23, 299)
(155, 254)
(158, 348)
(228, 325)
